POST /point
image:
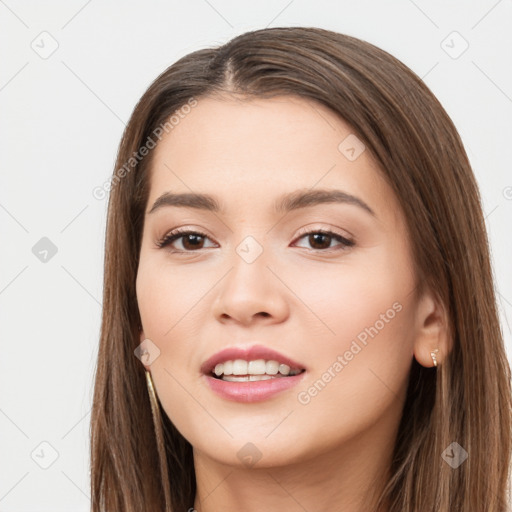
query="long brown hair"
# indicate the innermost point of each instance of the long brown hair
(466, 399)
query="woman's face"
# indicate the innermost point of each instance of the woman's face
(258, 271)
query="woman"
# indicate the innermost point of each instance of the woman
(297, 257)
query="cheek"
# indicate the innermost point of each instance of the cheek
(365, 347)
(362, 322)
(346, 301)
(166, 297)
(172, 304)
(168, 320)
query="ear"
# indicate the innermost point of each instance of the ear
(431, 331)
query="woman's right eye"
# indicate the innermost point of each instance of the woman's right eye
(190, 240)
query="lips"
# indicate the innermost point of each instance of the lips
(248, 354)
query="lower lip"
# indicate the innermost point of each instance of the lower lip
(252, 391)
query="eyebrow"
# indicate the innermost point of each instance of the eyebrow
(285, 203)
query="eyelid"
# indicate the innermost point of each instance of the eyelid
(319, 228)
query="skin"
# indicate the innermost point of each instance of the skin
(307, 301)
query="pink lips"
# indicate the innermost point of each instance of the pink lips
(250, 391)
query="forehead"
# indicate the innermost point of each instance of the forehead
(239, 148)
(266, 128)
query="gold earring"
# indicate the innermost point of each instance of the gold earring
(160, 442)
(433, 356)
(152, 396)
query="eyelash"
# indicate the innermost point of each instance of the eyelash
(181, 232)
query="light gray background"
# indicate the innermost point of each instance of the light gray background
(62, 116)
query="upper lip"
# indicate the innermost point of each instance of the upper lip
(248, 354)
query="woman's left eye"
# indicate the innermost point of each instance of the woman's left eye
(320, 240)
(324, 239)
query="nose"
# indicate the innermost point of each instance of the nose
(249, 293)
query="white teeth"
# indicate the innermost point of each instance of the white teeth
(272, 367)
(259, 377)
(228, 368)
(246, 378)
(284, 369)
(258, 368)
(239, 367)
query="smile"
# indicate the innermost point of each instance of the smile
(251, 374)
(240, 370)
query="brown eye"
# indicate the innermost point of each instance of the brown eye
(190, 240)
(321, 240)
